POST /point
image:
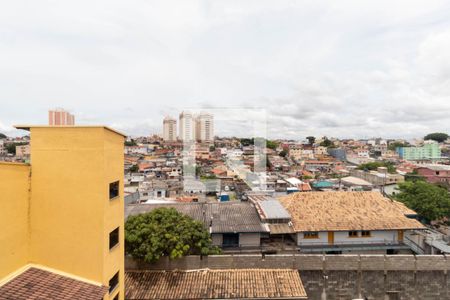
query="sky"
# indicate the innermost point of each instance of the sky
(353, 69)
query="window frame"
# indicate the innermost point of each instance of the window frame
(116, 286)
(111, 184)
(310, 235)
(366, 233)
(118, 238)
(353, 234)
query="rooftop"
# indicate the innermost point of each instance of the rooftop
(272, 209)
(342, 211)
(223, 217)
(35, 283)
(28, 127)
(435, 167)
(215, 284)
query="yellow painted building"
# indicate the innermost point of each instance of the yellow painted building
(65, 210)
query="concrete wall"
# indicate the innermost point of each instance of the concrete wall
(14, 221)
(250, 239)
(217, 239)
(322, 240)
(341, 237)
(339, 276)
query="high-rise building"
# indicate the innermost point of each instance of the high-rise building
(187, 126)
(60, 117)
(62, 217)
(169, 129)
(204, 127)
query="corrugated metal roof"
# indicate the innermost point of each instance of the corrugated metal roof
(272, 209)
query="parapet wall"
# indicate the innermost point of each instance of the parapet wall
(338, 277)
(302, 262)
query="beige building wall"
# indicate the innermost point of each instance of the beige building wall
(14, 210)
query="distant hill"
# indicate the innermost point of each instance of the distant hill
(2, 136)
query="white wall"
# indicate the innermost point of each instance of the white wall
(323, 239)
(341, 237)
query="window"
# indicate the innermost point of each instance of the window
(311, 235)
(114, 282)
(365, 233)
(113, 238)
(353, 234)
(113, 190)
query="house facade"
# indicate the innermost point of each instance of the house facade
(344, 222)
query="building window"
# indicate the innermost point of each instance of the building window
(113, 238)
(311, 235)
(365, 233)
(113, 190)
(113, 282)
(353, 234)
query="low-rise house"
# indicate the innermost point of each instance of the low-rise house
(23, 151)
(231, 225)
(338, 222)
(434, 173)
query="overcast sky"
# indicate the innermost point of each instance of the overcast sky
(337, 68)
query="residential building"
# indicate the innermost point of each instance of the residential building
(22, 151)
(59, 117)
(62, 216)
(204, 127)
(187, 126)
(380, 177)
(428, 151)
(343, 222)
(241, 228)
(434, 173)
(169, 129)
(3, 150)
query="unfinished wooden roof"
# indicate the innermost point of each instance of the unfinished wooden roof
(342, 211)
(214, 284)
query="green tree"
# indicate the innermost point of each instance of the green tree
(431, 202)
(327, 143)
(283, 153)
(130, 143)
(166, 232)
(370, 166)
(436, 136)
(311, 139)
(134, 169)
(271, 144)
(394, 145)
(11, 148)
(2, 136)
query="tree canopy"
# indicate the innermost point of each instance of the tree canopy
(436, 136)
(130, 143)
(166, 232)
(311, 139)
(327, 143)
(2, 136)
(370, 166)
(431, 202)
(394, 145)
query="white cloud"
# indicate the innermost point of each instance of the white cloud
(346, 68)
